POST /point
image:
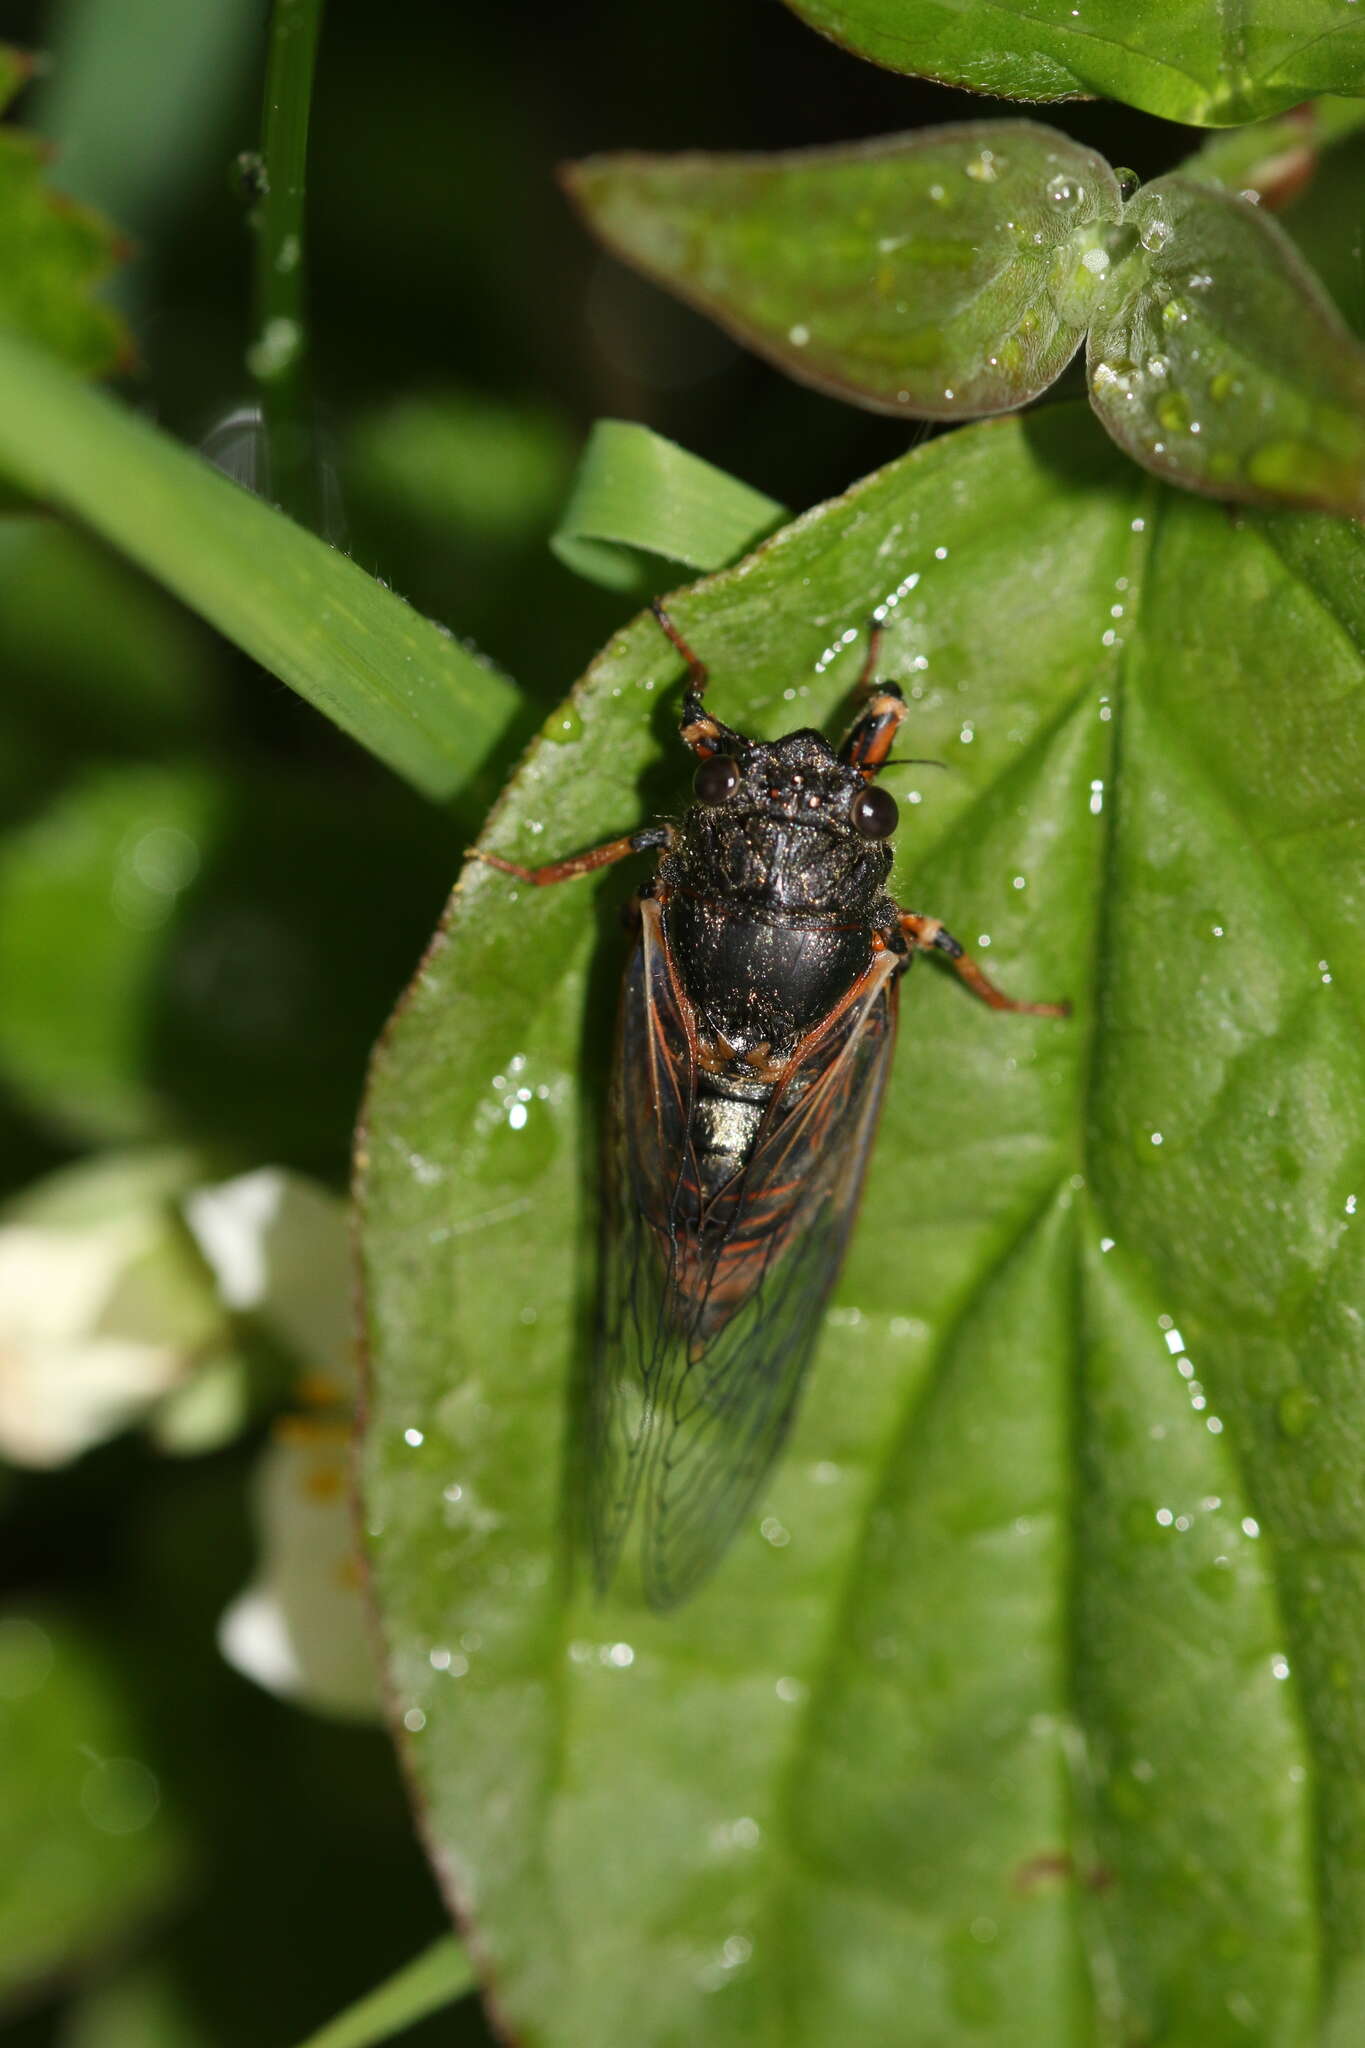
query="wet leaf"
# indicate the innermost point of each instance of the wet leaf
(53, 253)
(1217, 359)
(942, 274)
(1032, 1699)
(1191, 62)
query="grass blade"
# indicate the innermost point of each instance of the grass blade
(407, 691)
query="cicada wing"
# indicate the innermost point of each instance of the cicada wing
(701, 1353)
(648, 1162)
(729, 1395)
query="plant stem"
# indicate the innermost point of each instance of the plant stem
(278, 357)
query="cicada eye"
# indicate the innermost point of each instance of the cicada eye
(716, 779)
(875, 813)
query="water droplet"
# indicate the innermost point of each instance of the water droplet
(413, 1437)
(983, 167)
(798, 336)
(1158, 366)
(276, 348)
(1127, 180)
(1174, 313)
(1155, 234)
(562, 726)
(414, 1720)
(1064, 191)
(1279, 1666)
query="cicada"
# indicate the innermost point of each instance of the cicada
(757, 1022)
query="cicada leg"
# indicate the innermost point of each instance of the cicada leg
(700, 731)
(930, 935)
(646, 839)
(867, 744)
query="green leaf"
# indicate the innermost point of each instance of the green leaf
(411, 693)
(638, 495)
(1216, 359)
(940, 275)
(1274, 160)
(88, 1852)
(434, 1979)
(53, 252)
(1189, 62)
(1030, 1705)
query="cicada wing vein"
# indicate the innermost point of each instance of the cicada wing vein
(703, 1349)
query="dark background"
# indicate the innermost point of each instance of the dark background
(447, 274)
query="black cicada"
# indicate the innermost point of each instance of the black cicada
(757, 1023)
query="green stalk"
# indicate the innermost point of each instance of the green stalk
(278, 357)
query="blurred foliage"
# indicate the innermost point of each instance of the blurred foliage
(52, 252)
(208, 897)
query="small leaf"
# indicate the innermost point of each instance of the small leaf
(430, 1981)
(940, 275)
(1029, 1706)
(1190, 63)
(637, 494)
(1217, 360)
(53, 252)
(419, 700)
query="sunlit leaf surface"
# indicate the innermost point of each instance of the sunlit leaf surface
(1183, 58)
(942, 274)
(1030, 1707)
(1216, 358)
